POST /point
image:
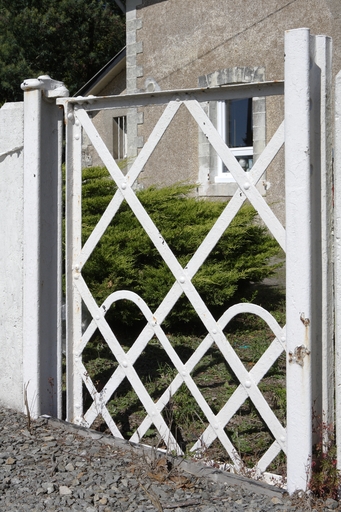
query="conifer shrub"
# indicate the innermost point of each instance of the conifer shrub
(125, 257)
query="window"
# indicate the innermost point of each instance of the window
(120, 137)
(235, 125)
(242, 124)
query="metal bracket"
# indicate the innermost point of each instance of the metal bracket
(298, 355)
(305, 321)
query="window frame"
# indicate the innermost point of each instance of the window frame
(221, 175)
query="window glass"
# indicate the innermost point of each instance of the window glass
(235, 125)
(239, 123)
(120, 138)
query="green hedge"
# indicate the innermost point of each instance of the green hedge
(126, 258)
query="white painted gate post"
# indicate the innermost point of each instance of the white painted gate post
(305, 157)
(42, 245)
(298, 265)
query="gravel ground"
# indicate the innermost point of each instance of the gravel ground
(56, 466)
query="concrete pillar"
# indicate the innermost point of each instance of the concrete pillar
(11, 254)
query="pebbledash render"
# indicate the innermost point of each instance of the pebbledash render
(176, 44)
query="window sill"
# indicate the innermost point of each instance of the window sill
(224, 179)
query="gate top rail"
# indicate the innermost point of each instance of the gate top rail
(225, 92)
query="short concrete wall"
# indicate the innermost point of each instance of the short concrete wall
(11, 254)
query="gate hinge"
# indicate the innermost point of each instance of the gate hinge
(51, 88)
(298, 355)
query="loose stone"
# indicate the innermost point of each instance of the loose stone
(64, 490)
(51, 469)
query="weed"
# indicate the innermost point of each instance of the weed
(51, 393)
(325, 478)
(28, 413)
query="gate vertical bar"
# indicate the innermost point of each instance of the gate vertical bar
(298, 279)
(337, 263)
(73, 265)
(42, 243)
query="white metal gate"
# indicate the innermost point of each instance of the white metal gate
(307, 83)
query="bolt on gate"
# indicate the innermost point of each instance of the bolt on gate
(307, 338)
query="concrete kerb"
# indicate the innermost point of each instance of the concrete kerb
(194, 468)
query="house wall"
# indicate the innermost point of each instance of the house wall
(103, 121)
(197, 37)
(117, 85)
(178, 42)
